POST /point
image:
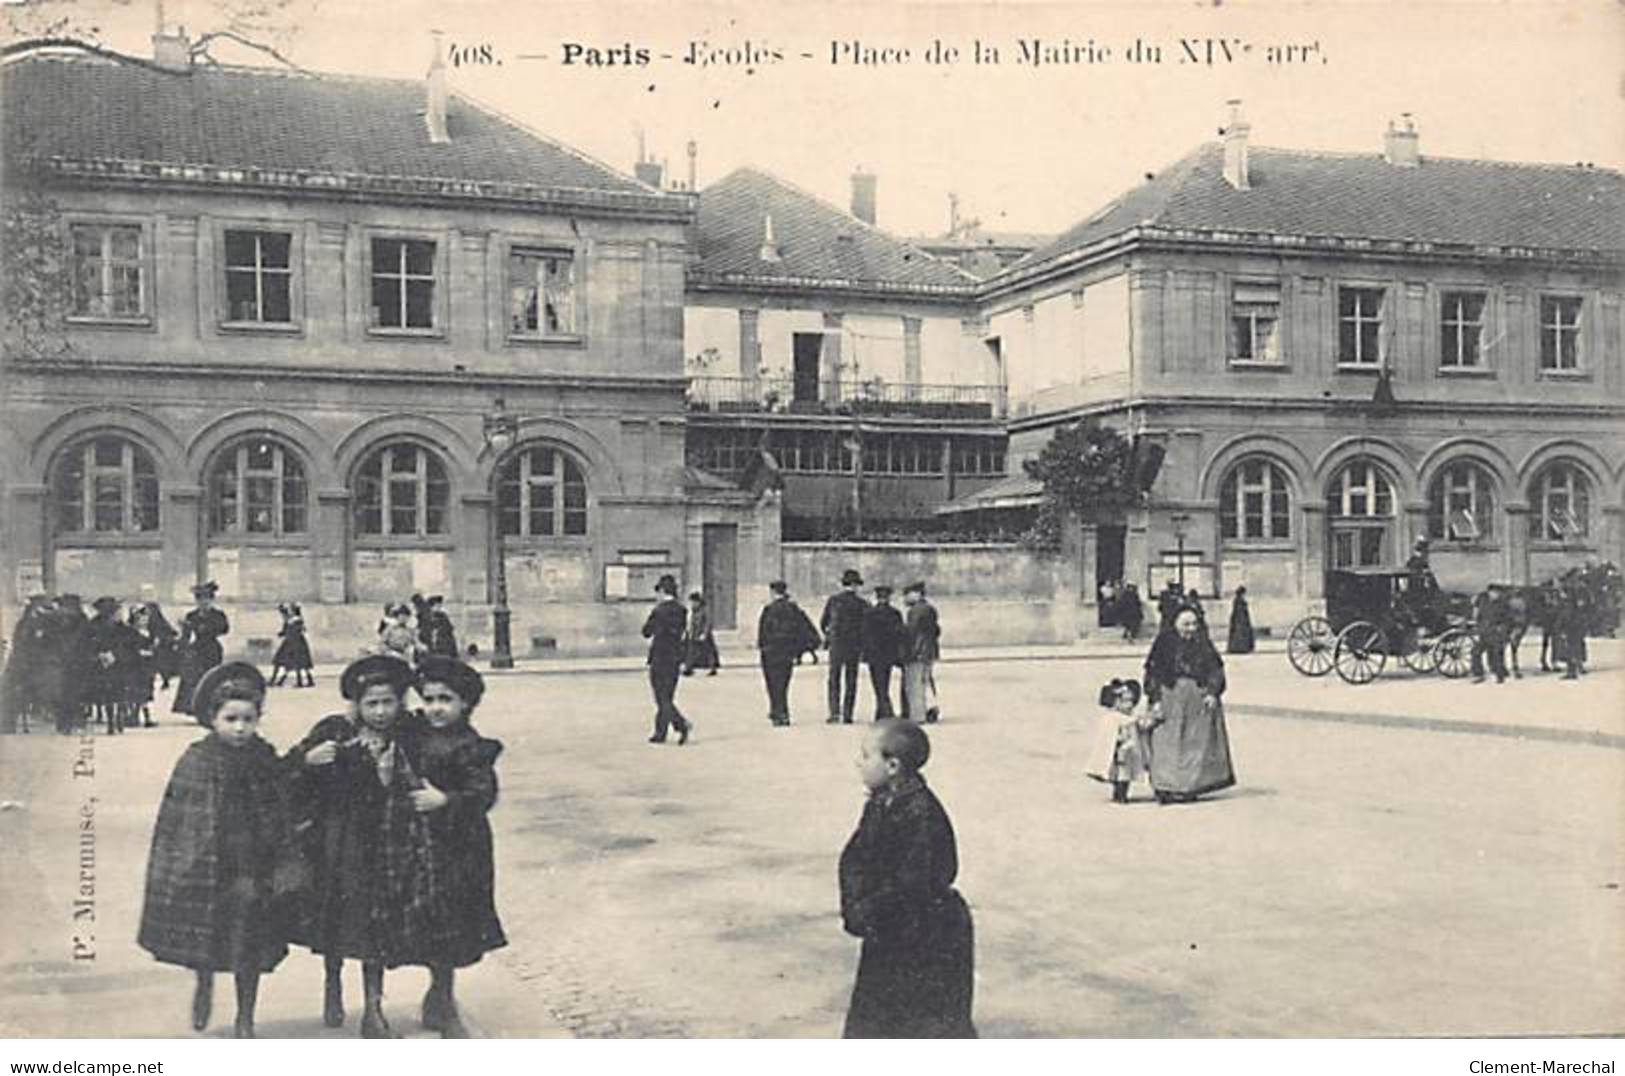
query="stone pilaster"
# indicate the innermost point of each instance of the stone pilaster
(182, 525)
(331, 546)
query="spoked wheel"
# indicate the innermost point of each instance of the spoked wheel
(1421, 656)
(1360, 653)
(1453, 652)
(1309, 647)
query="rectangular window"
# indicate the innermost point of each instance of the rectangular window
(1461, 330)
(1559, 332)
(1359, 324)
(107, 271)
(541, 293)
(1255, 319)
(259, 277)
(403, 284)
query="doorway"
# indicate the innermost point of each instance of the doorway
(1109, 544)
(809, 358)
(720, 574)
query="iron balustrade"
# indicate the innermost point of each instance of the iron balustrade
(777, 395)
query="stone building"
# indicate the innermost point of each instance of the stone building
(293, 305)
(1339, 353)
(857, 360)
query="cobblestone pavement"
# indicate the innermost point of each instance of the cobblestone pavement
(1410, 857)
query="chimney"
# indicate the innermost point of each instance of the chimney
(953, 214)
(434, 112)
(1236, 130)
(770, 246)
(1399, 146)
(693, 165)
(172, 51)
(648, 171)
(863, 195)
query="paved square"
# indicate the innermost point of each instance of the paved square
(1438, 873)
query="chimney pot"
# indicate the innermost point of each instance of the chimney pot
(863, 195)
(1400, 144)
(435, 93)
(770, 246)
(1236, 130)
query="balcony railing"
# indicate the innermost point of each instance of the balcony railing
(783, 395)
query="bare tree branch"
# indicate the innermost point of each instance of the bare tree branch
(200, 47)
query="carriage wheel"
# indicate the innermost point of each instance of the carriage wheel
(1422, 656)
(1360, 653)
(1453, 653)
(1309, 647)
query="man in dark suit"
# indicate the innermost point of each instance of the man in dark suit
(783, 634)
(882, 648)
(842, 625)
(665, 630)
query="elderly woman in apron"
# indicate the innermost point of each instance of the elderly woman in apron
(1184, 679)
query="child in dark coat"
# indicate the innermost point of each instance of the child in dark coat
(896, 873)
(457, 767)
(702, 639)
(223, 852)
(373, 896)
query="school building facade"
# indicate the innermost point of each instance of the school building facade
(1337, 354)
(295, 309)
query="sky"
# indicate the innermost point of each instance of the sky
(1026, 147)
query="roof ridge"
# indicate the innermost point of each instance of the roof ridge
(1556, 166)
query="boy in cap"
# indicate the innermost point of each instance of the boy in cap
(783, 634)
(920, 652)
(666, 629)
(842, 625)
(882, 648)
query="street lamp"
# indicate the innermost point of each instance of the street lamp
(501, 430)
(1179, 519)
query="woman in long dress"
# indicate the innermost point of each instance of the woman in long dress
(1184, 679)
(200, 648)
(1241, 625)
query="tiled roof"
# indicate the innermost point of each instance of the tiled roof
(1362, 196)
(818, 244)
(85, 108)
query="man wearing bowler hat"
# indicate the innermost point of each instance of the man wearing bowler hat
(665, 629)
(842, 625)
(783, 634)
(921, 635)
(882, 648)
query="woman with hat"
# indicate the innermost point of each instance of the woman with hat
(108, 653)
(1120, 753)
(373, 894)
(293, 653)
(201, 629)
(223, 855)
(1184, 679)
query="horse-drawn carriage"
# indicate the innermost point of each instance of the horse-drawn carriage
(1374, 615)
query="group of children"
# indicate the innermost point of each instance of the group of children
(368, 840)
(72, 670)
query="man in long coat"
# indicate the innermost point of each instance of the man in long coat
(921, 648)
(842, 625)
(783, 634)
(666, 629)
(882, 648)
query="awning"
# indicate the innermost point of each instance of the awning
(1017, 491)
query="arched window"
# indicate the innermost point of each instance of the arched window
(1561, 506)
(1254, 503)
(541, 493)
(106, 485)
(1360, 510)
(258, 487)
(1461, 503)
(401, 491)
